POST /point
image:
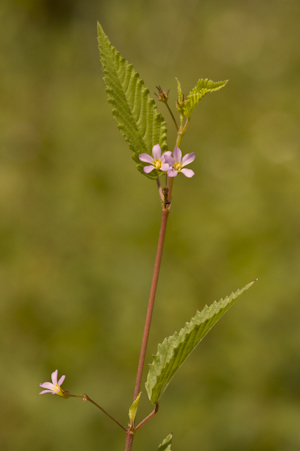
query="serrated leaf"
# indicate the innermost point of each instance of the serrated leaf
(203, 87)
(166, 444)
(173, 351)
(133, 108)
(133, 409)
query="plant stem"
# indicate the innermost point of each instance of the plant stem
(129, 440)
(165, 214)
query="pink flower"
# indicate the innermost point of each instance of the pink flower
(54, 387)
(157, 162)
(177, 163)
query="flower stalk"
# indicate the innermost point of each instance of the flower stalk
(85, 397)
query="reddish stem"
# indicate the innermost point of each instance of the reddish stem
(165, 214)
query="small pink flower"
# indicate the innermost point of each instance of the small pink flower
(177, 163)
(54, 387)
(157, 162)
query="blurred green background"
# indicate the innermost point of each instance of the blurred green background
(79, 225)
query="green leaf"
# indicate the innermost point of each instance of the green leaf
(199, 91)
(133, 408)
(173, 351)
(166, 444)
(133, 108)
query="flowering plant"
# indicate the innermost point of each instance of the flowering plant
(55, 387)
(144, 129)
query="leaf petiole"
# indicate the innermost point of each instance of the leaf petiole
(154, 412)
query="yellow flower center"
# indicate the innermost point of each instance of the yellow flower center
(177, 166)
(157, 164)
(58, 390)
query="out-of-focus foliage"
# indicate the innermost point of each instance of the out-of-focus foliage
(79, 225)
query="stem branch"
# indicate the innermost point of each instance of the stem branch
(172, 115)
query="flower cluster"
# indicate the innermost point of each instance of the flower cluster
(55, 387)
(167, 163)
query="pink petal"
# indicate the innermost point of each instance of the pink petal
(156, 152)
(61, 380)
(47, 385)
(188, 158)
(165, 167)
(145, 157)
(166, 154)
(169, 159)
(177, 154)
(54, 377)
(172, 173)
(45, 391)
(148, 169)
(188, 172)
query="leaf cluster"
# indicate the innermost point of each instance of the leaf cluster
(134, 109)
